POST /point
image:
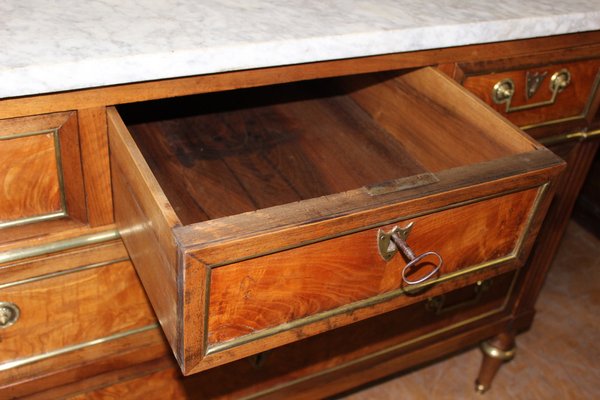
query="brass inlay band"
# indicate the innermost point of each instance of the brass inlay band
(491, 351)
(570, 137)
(26, 134)
(390, 349)
(68, 349)
(61, 185)
(371, 301)
(536, 204)
(59, 170)
(347, 308)
(47, 248)
(61, 273)
(33, 219)
(371, 226)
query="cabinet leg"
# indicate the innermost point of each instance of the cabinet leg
(495, 352)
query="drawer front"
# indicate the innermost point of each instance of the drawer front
(41, 177)
(296, 287)
(79, 298)
(537, 95)
(290, 370)
(235, 283)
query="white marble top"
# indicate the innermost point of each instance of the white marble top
(70, 44)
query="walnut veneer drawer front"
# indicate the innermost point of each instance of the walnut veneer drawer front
(345, 351)
(55, 305)
(41, 178)
(262, 216)
(535, 95)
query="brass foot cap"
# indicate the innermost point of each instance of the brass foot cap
(480, 388)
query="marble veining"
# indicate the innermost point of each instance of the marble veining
(57, 46)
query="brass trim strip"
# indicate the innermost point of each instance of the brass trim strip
(392, 348)
(68, 349)
(532, 213)
(347, 308)
(26, 134)
(372, 226)
(568, 137)
(371, 301)
(61, 184)
(61, 273)
(35, 218)
(47, 248)
(60, 172)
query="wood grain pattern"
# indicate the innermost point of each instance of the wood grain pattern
(96, 167)
(61, 262)
(302, 362)
(145, 220)
(571, 102)
(278, 145)
(72, 174)
(42, 157)
(263, 292)
(227, 239)
(76, 371)
(414, 104)
(73, 308)
(29, 162)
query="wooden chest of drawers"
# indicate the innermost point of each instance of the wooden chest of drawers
(263, 269)
(260, 221)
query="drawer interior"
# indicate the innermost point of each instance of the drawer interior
(268, 146)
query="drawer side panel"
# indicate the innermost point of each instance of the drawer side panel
(145, 221)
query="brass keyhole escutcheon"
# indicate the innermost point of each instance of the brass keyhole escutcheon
(389, 243)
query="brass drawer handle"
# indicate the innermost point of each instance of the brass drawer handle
(438, 305)
(503, 90)
(9, 314)
(389, 243)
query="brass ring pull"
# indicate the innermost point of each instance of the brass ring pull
(389, 243)
(503, 90)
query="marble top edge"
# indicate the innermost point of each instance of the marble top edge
(120, 65)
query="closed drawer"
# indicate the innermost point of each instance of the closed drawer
(357, 348)
(41, 177)
(73, 308)
(254, 218)
(536, 95)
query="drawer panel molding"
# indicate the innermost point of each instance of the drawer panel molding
(41, 176)
(45, 198)
(60, 245)
(402, 294)
(69, 349)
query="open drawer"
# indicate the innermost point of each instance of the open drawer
(262, 216)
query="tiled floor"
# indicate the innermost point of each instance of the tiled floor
(559, 358)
